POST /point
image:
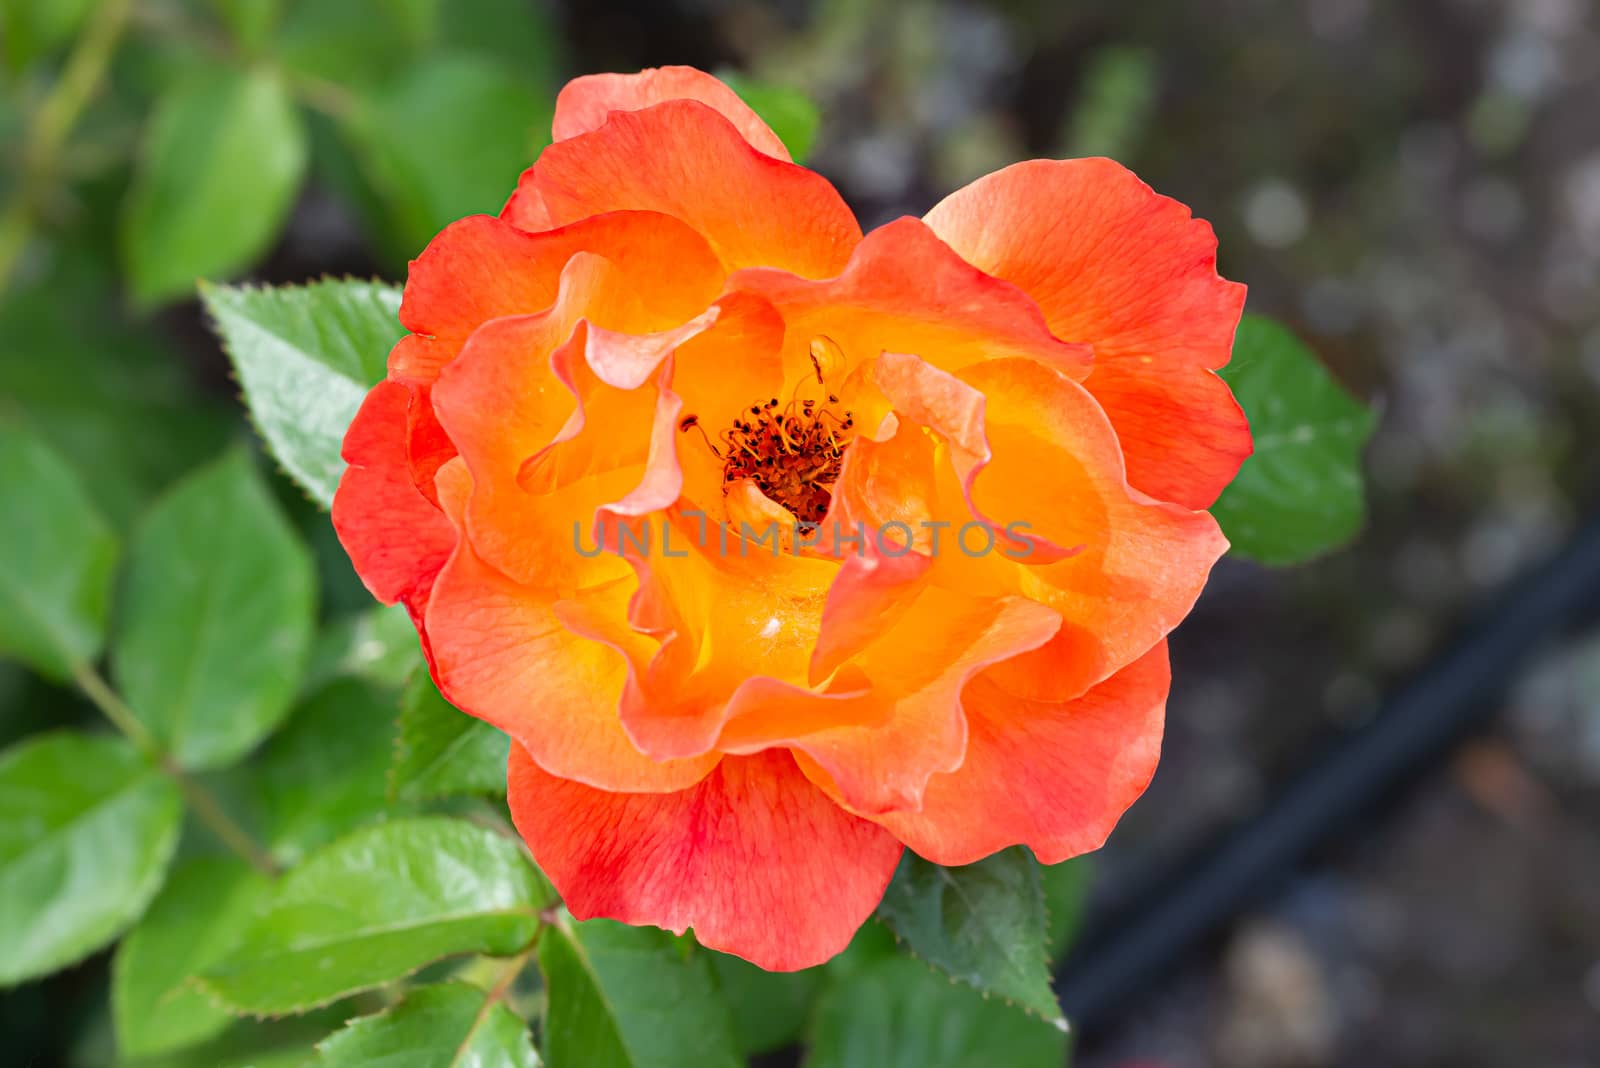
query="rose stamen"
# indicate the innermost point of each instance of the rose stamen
(793, 454)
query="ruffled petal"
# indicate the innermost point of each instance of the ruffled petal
(1055, 777)
(481, 268)
(1037, 468)
(554, 420)
(723, 610)
(1131, 273)
(684, 159)
(585, 103)
(883, 523)
(396, 538)
(502, 652)
(905, 290)
(1141, 563)
(719, 374)
(875, 748)
(757, 860)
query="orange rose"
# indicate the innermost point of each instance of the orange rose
(777, 548)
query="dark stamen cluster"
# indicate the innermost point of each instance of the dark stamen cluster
(793, 455)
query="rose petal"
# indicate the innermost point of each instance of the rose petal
(1113, 264)
(925, 396)
(396, 538)
(1056, 465)
(1055, 777)
(481, 268)
(585, 103)
(877, 523)
(754, 858)
(547, 413)
(876, 750)
(683, 159)
(502, 653)
(905, 290)
(724, 610)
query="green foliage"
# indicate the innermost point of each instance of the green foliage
(377, 905)
(1301, 493)
(448, 1024)
(56, 560)
(790, 113)
(985, 924)
(217, 616)
(86, 830)
(305, 356)
(519, 35)
(441, 751)
(486, 119)
(205, 906)
(327, 772)
(377, 644)
(895, 1012)
(769, 1009)
(105, 393)
(220, 167)
(355, 45)
(33, 28)
(628, 997)
(1066, 893)
(249, 21)
(361, 814)
(249, 1044)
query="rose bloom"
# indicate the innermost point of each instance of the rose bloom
(778, 549)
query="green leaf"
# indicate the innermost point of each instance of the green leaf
(248, 1044)
(790, 113)
(1301, 493)
(207, 903)
(353, 44)
(895, 1012)
(87, 828)
(521, 36)
(985, 924)
(442, 752)
(56, 560)
(94, 386)
(449, 1024)
(1066, 892)
(377, 644)
(217, 616)
(306, 356)
(30, 29)
(769, 1009)
(250, 21)
(376, 906)
(221, 165)
(627, 997)
(223, 1054)
(447, 138)
(327, 771)
(872, 941)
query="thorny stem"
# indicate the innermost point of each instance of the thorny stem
(47, 133)
(201, 802)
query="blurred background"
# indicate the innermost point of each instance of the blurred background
(1413, 186)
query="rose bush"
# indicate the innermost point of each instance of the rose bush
(672, 338)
